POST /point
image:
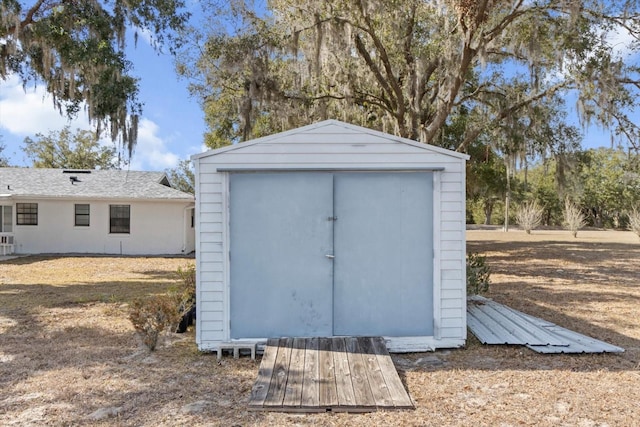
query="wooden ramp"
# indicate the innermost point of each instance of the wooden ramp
(347, 374)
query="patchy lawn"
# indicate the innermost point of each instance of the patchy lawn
(69, 355)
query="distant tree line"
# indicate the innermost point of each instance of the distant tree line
(603, 183)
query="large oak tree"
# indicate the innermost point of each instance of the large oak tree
(410, 66)
(77, 49)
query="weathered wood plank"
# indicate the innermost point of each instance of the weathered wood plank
(328, 392)
(275, 396)
(311, 381)
(399, 395)
(261, 386)
(293, 392)
(377, 382)
(359, 379)
(319, 374)
(346, 397)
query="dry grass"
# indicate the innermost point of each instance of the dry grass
(68, 350)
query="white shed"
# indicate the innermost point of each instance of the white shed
(330, 230)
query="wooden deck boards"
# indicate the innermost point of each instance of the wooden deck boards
(341, 374)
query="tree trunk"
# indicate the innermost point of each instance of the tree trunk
(507, 200)
(488, 211)
(598, 220)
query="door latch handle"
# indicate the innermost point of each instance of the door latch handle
(332, 218)
(330, 256)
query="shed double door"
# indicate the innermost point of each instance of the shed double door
(324, 254)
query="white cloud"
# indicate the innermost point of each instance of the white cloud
(151, 152)
(27, 112)
(621, 42)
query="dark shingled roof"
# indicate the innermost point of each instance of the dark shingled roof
(89, 184)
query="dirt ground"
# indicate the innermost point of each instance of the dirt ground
(69, 355)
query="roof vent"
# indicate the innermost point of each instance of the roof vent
(76, 171)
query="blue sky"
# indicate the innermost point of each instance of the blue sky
(171, 128)
(172, 125)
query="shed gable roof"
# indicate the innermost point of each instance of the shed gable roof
(96, 184)
(330, 132)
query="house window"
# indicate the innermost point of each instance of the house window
(26, 214)
(82, 215)
(119, 219)
(6, 214)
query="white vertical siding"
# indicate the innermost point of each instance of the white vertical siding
(332, 148)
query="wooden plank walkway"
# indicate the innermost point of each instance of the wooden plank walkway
(341, 374)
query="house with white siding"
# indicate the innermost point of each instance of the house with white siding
(93, 211)
(331, 230)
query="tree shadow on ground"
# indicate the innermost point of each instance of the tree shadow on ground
(556, 260)
(590, 288)
(78, 357)
(20, 259)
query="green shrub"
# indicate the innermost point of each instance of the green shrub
(478, 274)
